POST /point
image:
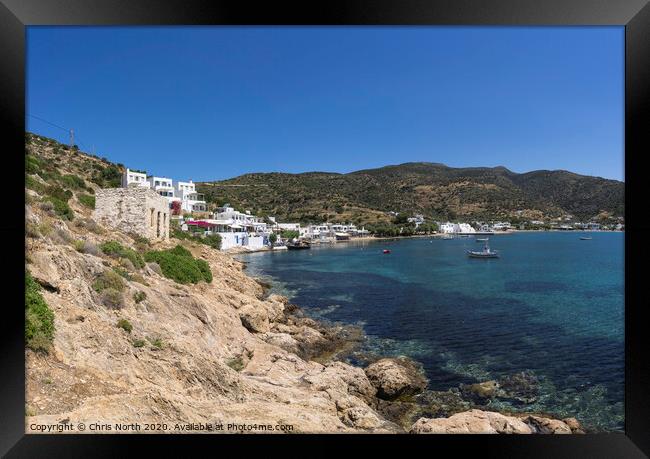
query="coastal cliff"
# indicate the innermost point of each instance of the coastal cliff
(131, 345)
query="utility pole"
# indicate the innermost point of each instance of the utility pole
(71, 138)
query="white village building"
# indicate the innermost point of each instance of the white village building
(460, 228)
(191, 201)
(133, 178)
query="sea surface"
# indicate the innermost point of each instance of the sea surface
(552, 305)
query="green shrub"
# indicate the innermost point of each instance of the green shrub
(122, 272)
(139, 279)
(138, 343)
(205, 269)
(62, 208)
(33, 184)
(39, 318)
(55, 191)
(87, 200)
(31, 230)
(45, 228)
(124, 325)
(32, 164)
(115, 249)
(179, 265)
(139, 296)
(112, 298)
(213, 240)
(289, 234)
(107, 177)
(156, 342)
(108, 280)
(79, 245)
(236, 363)
(73, 181)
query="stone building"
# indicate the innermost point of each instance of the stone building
(138, 210)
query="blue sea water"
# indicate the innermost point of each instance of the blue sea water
(552, 304)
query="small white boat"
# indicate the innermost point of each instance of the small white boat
(585, 238)
(482, 239)
(485, 253)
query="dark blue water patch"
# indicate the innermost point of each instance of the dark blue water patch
(550, 305)
(493, 330)
(535, 287)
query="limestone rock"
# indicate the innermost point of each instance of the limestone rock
(473, 421)
(547, 426)
(395, 377)
(254, 319)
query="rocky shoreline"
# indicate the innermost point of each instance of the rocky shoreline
(401, 393)
(227, 352)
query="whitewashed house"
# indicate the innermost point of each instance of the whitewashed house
(459, 228)
(416, 219)
(163, 186)
(191, 201)
(133, 178)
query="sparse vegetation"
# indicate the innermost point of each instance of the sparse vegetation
(157, 343)
(112, 298)
(124, 325)
(87, 200)
(39, 318)
(31, 230)
(73, 181)
(139, 296)
(179, 265)
(236, 363)
(115, 249)
(45, 228)
(108, 280)
(155, 267)
(139, 343)
(61, 208)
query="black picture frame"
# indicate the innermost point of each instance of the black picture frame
(634, 15)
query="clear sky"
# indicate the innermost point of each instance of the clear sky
(207, 103)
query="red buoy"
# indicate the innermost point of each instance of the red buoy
(386, 251)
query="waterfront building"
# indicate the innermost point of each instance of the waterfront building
(460, 228)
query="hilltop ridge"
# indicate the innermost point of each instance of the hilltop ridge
(432, 189)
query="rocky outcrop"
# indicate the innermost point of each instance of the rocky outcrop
(487, 422)
(396, 377)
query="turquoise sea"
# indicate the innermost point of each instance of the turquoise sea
(552, 305)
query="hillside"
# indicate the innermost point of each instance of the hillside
(433, 190)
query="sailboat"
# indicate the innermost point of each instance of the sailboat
(485, 253)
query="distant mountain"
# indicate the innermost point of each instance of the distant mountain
(432, 189)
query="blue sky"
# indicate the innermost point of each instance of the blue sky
(207, 103)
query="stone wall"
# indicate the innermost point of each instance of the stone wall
(137, 210)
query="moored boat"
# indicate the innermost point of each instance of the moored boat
(485, 253)
(299, 246)
(482, 239)
(585, 238)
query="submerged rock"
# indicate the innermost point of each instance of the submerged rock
(396, 377)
